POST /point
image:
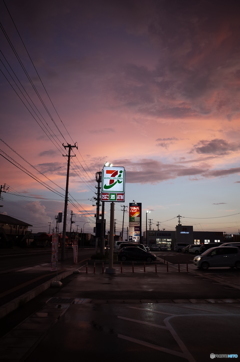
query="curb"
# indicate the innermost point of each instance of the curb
(26, 297)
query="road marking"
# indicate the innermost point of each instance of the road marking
(151, 310)
(153, 346)
(178, 340)
(141, 322)
(34, 266)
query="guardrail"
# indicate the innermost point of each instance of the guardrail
(132, 267)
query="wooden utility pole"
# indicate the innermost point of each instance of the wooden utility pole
(66, 198)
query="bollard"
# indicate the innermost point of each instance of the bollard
(133, 267)
(94, 268)
(144, 267)
(86, 268)
(102, 268)
(178, 267)
(121, 268)
(167, 266)
(155, 267)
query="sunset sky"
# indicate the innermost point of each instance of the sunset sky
(153, 86)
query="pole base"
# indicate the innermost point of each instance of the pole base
(110, 271)
(56, 283)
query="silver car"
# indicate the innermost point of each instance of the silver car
(219, 256)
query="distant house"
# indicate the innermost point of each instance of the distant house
(12, 231)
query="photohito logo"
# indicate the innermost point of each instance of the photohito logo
(213, 355)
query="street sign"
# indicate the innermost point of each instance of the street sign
(113, 184)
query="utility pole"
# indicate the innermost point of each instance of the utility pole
(98, 223)
(3, 188)
(150, 224)
(103, 229)
(158, 224)
(66, 198)
(71, 222)
(179, 219)
(124, 209)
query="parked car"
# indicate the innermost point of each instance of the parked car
(192, 249)
(163, 247)
(124, 245)
(205, 247)
(154, 247)
(185, 249)
(179, 247)
(135, 253)
(219, 256)
(232, 244)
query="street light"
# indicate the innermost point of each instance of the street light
(147, 212)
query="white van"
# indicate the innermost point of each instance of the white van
(219, 256)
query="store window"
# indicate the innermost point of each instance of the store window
(197, 241)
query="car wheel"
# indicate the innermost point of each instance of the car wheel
(149, 259)
(123, 258)
(204, 265)
(237, 265)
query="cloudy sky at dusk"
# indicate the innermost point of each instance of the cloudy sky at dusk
(153, 86)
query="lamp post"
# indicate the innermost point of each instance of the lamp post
(147, 212)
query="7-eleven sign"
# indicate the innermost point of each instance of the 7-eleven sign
(113, 184)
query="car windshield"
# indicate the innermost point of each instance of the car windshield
(207, 252)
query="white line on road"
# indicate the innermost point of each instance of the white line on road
(153, 311)
(141, 322)
(153, 346)
(186, 352)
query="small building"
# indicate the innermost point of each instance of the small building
(12, 231)
(183, 234)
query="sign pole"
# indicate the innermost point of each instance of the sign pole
(110, 269)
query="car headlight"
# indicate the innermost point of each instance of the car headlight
(197, 258)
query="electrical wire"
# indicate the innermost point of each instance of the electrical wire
(29, 100)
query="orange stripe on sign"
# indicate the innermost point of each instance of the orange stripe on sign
(110, 171)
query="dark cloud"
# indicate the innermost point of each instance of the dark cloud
(48, 153)
(57, 168)
(197, 44)
(219, 203)
(50, 167)
(219, 173)
(215, 147)
(102, 130)
(165, 142)
(152, 171)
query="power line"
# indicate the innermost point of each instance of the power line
(23, 169)
(211, 217)
(31, 165)
(30, 102)
(14, 50)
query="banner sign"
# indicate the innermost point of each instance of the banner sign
(54, 256)
(75, 251)
(135, 221)
(113, 184)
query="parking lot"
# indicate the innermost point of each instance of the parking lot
(169, 314)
